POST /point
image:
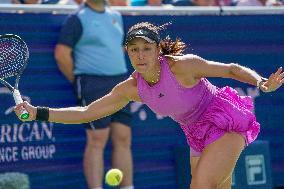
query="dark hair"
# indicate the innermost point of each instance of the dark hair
(167, 45)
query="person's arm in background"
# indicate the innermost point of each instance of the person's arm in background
(63, 56)
(70, 34)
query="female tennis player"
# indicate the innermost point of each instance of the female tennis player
(217, 122)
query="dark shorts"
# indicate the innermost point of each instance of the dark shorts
(90, 88)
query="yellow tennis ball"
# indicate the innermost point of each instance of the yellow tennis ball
(113, 177)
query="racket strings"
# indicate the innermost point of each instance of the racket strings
(13, 56)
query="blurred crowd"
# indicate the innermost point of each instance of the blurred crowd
(158, 2)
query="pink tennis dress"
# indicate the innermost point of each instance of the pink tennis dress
(204, 112)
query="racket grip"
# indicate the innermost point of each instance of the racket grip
(18, 99)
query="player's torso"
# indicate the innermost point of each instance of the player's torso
(169, 98)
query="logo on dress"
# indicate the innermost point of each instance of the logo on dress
(161, 95)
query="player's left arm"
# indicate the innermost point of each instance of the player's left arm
(200, 67)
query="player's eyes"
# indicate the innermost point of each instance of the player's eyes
(133, 50)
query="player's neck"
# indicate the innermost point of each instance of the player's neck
(153, 77)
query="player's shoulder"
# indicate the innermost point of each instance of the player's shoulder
(131, 81)
(182, 62)
(128, 88)
(128, 84)
(181, 58)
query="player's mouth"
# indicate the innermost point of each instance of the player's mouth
(140, 64)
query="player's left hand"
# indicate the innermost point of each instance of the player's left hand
(274, 81)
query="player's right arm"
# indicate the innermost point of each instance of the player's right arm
(112, 102)
(107, 105)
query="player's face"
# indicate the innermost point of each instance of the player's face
(142, 54)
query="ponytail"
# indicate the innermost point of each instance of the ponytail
(170, 47)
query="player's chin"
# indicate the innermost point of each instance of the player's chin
(141, 69)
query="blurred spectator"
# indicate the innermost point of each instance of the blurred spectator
(26, 1)
(202, 2)
(34, 1)
(259, 3)
(154, 2)
(193, 2)
(182, 3)
(224, 2)
(118, 2)
(70, 2)
(138, 3)
(5, 2)
(151, 2)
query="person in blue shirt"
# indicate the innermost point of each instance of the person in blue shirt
(90, 55)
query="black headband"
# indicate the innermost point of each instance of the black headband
(143, 33)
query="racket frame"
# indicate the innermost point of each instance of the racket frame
(15, 91)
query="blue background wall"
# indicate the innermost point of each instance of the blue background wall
(254, 41)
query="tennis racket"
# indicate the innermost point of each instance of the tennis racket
(14, 54)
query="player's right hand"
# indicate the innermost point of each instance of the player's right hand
(25, 105)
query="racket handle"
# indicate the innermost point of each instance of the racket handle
(18, 99)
